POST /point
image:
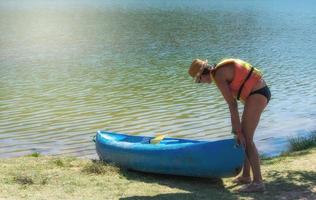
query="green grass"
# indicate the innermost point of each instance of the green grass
(99, 167)
(301, 143)
(35, 154)
(287, 177)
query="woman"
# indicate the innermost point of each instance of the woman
(238, 80)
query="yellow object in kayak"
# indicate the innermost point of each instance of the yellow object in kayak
(157, 139)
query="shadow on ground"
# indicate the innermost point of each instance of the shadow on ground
(292, 184)
(280, 185)
(193, 188)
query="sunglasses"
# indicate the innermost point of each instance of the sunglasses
(205, 71)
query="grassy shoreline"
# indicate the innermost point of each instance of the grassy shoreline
(291, 176)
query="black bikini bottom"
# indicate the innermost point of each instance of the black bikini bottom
(265, 91)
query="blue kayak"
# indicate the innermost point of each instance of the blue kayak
(212, 159)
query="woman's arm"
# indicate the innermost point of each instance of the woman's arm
(223, 86)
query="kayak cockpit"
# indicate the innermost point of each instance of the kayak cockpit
(108, 136)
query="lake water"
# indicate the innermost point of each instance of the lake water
(70, 68)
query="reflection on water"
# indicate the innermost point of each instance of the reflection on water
(70, 68)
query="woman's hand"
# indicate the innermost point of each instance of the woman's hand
(241, 139)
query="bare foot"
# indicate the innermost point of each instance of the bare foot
(242, 180)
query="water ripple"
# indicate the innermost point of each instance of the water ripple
(69, 71)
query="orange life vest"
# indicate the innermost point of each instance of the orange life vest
(245, 78)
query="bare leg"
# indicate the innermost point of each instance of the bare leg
(246, 169)
(254, 106)
(244, 178)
